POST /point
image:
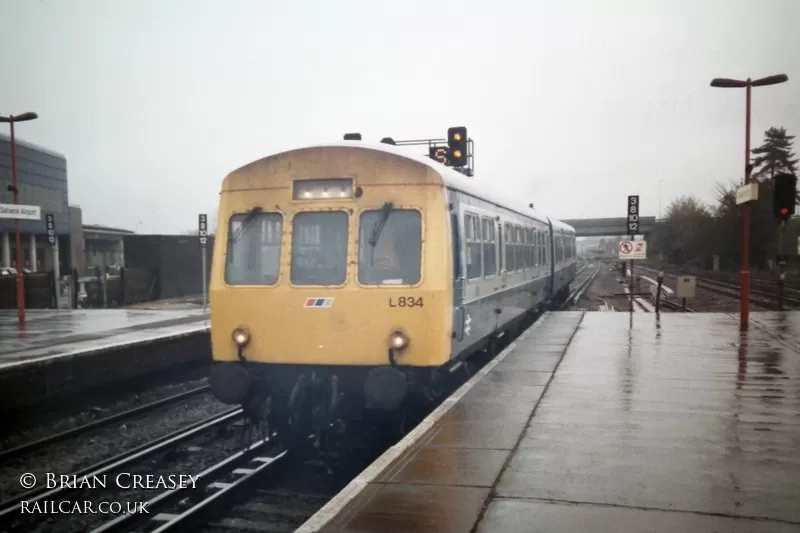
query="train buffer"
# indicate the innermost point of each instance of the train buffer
(602, 422)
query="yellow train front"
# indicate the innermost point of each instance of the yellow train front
(333, 287)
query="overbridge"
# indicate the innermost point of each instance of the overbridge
(601, 227)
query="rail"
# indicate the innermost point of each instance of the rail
(120, 461)
(210, 480)
(52, 439)
(576, 295)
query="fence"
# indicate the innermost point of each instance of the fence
(40, 291)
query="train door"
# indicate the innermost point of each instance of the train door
(459, 281)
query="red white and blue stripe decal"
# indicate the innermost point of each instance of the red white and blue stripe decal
(320, 303)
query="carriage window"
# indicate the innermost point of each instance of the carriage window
(509, 247)
(489, 247)
(396, 256)
(528, 247)
(546, 243)
(319, 248)
(472, 232)
(254, 249)
(520, 249)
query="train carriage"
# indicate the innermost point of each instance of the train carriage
(346, 276)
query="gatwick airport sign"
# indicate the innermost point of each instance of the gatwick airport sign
(21, 212)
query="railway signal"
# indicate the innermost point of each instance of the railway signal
(457, 142)
(785, 196)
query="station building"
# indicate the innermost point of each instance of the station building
(42, 181)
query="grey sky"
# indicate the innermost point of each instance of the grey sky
(154, 101)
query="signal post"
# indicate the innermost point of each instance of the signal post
(783, 207)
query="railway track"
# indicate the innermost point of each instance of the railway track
(38, 444)
(582, 286)
(11, 509)
(182, 509)
(758, 295)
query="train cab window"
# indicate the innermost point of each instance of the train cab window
(520, 249)
(254, 249)
(489, 247)
(319, 248)
(390, 247)
(472, 232)
(509, 247)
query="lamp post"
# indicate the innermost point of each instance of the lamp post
(727, 83)
(11, 119)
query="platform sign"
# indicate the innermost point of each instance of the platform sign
(202, 232)
(202, 229)
(21, 212)
(633, 214)
(50, 223)
(632, 250)
(686, 286)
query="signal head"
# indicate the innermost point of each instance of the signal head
(457, 134)
(785, 196)
(457, 142)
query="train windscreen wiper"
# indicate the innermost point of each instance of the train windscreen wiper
(251, 216)
(377, 229)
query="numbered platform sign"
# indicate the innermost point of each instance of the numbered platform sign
(202, 229)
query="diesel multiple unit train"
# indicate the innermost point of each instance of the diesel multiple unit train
(348, 277)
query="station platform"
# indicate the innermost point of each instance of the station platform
(603, 422)
(64, 350)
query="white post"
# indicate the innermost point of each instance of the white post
(205, 284)
(32, 242)
(5, 242)
(56, 265)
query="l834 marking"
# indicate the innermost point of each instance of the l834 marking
(406, 301)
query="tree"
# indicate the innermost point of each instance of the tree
(690, 223)
(774, 155)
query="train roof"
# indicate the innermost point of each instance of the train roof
(452, 179)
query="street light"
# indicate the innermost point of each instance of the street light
(11, 119)
(727, 83)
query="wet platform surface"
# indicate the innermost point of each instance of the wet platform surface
(50, 333)
(633, 424)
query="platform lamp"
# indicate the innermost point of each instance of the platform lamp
(727, 83)
(11, 119)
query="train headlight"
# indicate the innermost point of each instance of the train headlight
(241, 336)
(398, 340)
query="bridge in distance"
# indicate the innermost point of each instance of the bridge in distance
(601, 227)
